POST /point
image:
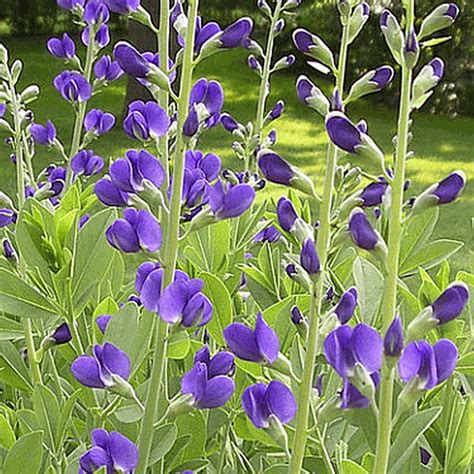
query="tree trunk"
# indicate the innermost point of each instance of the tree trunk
(144, 40)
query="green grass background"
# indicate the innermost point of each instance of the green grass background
(441, 144)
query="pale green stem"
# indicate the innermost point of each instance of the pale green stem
(171, 250)
(317, 293)
(20, 179)
(389, 307)
(82, 107)
(265, 81)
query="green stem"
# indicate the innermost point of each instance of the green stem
(317, 294)
(389, 308)
(223, 447)
(171, 250)
(264, 83)
(20, 179)
(82, 108)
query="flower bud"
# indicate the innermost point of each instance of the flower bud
(279, 26)
(253, 64)
(309, 259)
(29, 94)
(364, 235)
(358, 19)
(344, 7)
(264, 7)
(314, 47)
(428, 78)
(284, 62)
(411, 52)
(440, 18)
(373, 81)
(3, 54)
(444, 192)
(393, 34)
(8, 250)
(298, 274)
(312, 96)
(347, 305)
(348, 137)
(393, 340)
(336, 103)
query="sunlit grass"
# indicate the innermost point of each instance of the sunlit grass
(441, 144)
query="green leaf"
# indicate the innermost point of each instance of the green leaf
(192, 423)
(431, 255)
(47, 412)
(13, 371)
(10, 329)
(351, 467)
(179, 345)
(408, 436)
(65, 417)
(460, 437)
(370, 285)
(7, 435)
(20, 299)
(92, 256)
(466, 364)
(163, 440)
(26, 455)
(435, 41)
(107, 306)
(245, 430)
(123, 331)
(222, 314)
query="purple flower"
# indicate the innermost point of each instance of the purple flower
(451, 303)
(261, 402)
(3, 109)
(62, 334)
(253, 64)
(313, 46)
(236, 34)
(7, 217)
(99, 122)
(275, 168)
(209, 164)
(311, 95)
(269, 234)
(203, 33)
(343, 132)
(347, 304)
(448, 189)
(183, 302)
(83, 220)
(73, 86)
(129, 173)
(146, 120)
(131, 61)
(106, 69)
(336, 103)
(382, 76)
(86, 163)
(346, 347)
(123, 7)
(260, 345)
(154, 59)
(138, 231)
(286, 214)
(62, 48)
(111, 450)
(103, 369)
(361, 230)
(43, 134)
(195, 186)
(425, 456)
(393, 340)
(70, 4)
(303, 40)
(110, 194)
(412, 48)
(103, 321)
(228, 202)
(220, 364)
(205, 106)
(8, 250)
(208, 390)
(229, 123)
(277, 110)
(297, 317)
(101, 38)
(373, 194)
(441, 17)
(352, 398)
(309, 258)
(96, 12)
(430, 365)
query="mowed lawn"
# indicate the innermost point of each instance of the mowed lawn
(441, 144)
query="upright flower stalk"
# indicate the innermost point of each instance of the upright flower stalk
(317, 289)
(171, 249)
(395, 235)
(264, 83)
(20, 179)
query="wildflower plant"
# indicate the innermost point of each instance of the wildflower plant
(319, 332)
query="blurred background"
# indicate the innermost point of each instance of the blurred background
(443, 132)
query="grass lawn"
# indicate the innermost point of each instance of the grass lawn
(441, 144)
